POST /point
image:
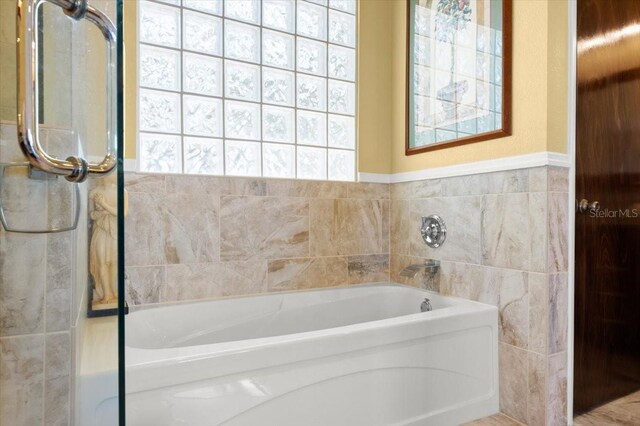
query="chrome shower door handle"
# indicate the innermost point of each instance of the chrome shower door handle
(75, 169)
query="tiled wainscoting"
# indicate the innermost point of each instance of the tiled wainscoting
(194, 237)
(507, 246)
(37, 308)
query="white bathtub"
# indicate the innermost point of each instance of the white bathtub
(361, 355)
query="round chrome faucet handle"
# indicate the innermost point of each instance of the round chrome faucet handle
(433, 230)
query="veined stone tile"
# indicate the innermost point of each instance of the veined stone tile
(306, 273)
(57, 401)
(145, 233)
(349, 227)
(21, 379)
(218, 279)
(22, 283)
(213, 186)
(146, 183)
(557, 390)
(417, 189)
(514, 391)
(538, 179)
(469, 282)
(506, 233)
(537, 398)
(507, 181)
(476, 184)
(558, 179)
(144, 283)
(538, 313)
(538, 231)
(462, 217)
(263, 227)
(368, 268)
(557, 231)
(403, 228)
(58, 309)
(307, 189)
(558, 317)
(513, 305)
(369, 191)
(59, 276)
(58, 355)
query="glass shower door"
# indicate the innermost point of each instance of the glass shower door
(60, 211)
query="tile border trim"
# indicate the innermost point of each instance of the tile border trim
(538, 159)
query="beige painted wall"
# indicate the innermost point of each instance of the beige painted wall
(539, 87)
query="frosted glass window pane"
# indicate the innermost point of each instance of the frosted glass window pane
(203, 156)
(278, 87)
(159, 68)
(159, 24)
(160, 153)
(202, 116)
(202, 74)
(320, 2)
(312, 92)
(242, 120)
(342, 97)
(311, 163)
(348, 6)
(312, 20)
(342, 28)
(312, 128)
(278, 124)
(173, 2)
(312, 56)
(279, 14)
(242, 41)
(159, 111)
(242, 158)
(342, 164)
(341, 131)
(209, 6)
(279, 160)
(242, 81)
(202, 33)
(277, 49)
(244, 10)
(342, 63)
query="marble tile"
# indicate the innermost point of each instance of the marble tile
(468, 281)
(557, 389)
(513, 304)
(59, 276)
(538, 313)
(537, 382)
(403, 228)
(558, 179)
(58, 303)
(216, 185)
(417, 189)
(369, 191)
(144, 283)
(462, 217)
(57, 380)
(514, 391)
(179, 227)
(22, 379)
(349, 227)
(57, 355)
(307, 189)
(399, 262)
(368, 268)
(495, 420)
(538, 179)
(218, 279)
(152, 183)
(263, 227)
(557, 230)
(506, 234)
(558, 319)
(538, 238)
(22, 283)
(507, 181)
(306, 273)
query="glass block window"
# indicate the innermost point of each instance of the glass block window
(247, 88)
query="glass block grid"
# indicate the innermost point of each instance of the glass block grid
(457, 79)
(248, 88)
